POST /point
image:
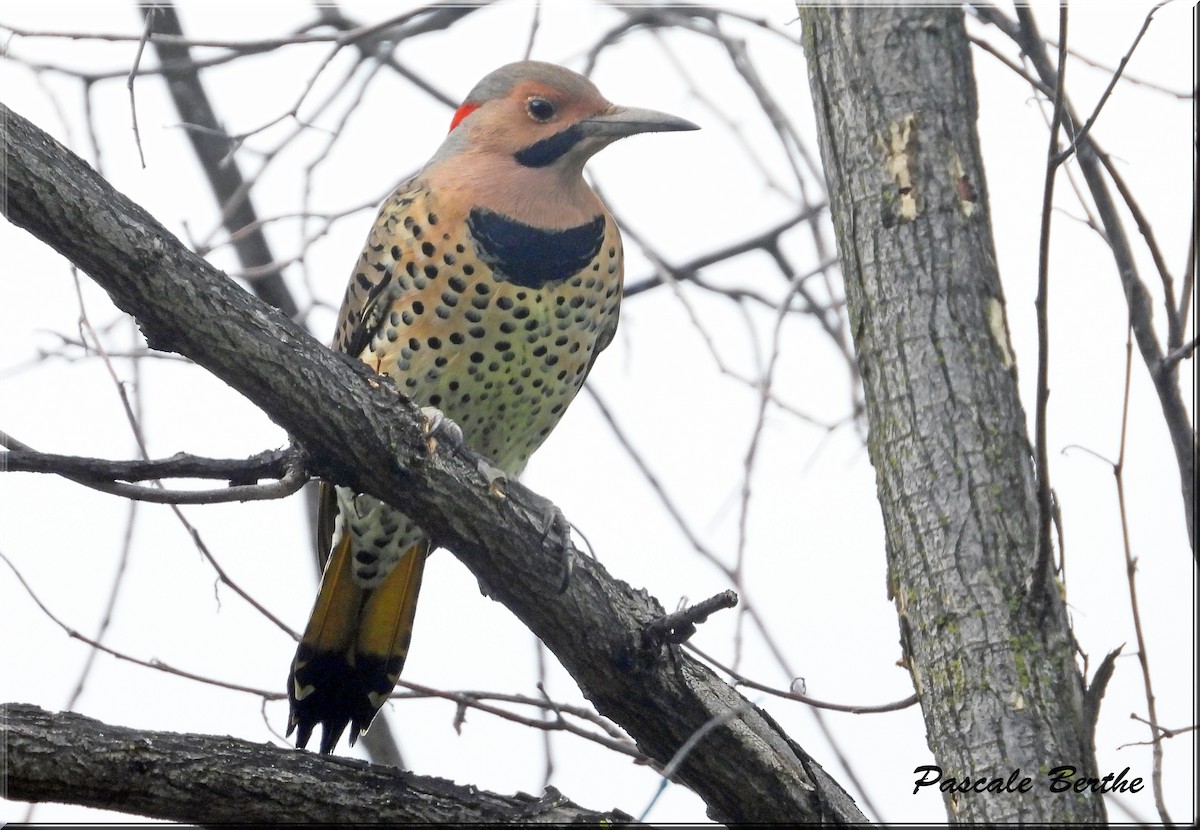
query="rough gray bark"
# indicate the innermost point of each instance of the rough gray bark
(986, 638)
(360, 431)
(70, 759)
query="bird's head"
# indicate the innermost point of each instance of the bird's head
(519, 141)
(541, 115)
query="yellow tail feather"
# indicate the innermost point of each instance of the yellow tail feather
(353, 648)
(334, 619)
(386, 622)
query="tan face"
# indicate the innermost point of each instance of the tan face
(531, 112)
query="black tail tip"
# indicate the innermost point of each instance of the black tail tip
(331, 733)
(337, 695)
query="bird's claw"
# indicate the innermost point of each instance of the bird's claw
(554, 521)
(436, 425)
(495, 477)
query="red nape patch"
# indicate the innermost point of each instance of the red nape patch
(461, 113)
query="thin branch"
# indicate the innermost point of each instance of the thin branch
(1048, 91)
(533, 29)
(741, 680)
(137, 60)
(107, 476)
(157, 665)
(1164, 731)
(614, 740)
(1038, 579)
(1175, 320)
(266, 464)
(1129, 79)
(1078, 138)
(1130, 571)
(751, 456)
(118, 581)
(1095, 690)
(760, 241)
(476, 700)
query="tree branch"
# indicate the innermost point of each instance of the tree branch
(109, 476)
(360, 431)
(266, 464)
(206, 779)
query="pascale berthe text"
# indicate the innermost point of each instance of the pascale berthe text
(1058, 780)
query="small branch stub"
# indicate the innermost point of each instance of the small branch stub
(679, 626)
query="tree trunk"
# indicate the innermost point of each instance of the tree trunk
(984, 630)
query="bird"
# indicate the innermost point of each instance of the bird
(489, 282)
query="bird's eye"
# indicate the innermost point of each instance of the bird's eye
(540, 109)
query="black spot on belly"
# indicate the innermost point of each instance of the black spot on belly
(529, 256)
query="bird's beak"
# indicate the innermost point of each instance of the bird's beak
(619, 122)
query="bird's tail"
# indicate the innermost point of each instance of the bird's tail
(353, 648)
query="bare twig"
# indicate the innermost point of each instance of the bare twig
(533, 30)
(137, 60)
(1130, 571)
(157, 665)
(689, 269)
(614, 740)
(1038, 579)
(1112, 83)
(1164, 731)
(107, 476)
(742, 680)
(1175, 320)
(266, 464)
(118, 580)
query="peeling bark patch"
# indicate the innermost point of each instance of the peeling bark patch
(962, 185)
(1000, 331)
(900, 163)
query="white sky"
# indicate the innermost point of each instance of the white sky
(815, 562)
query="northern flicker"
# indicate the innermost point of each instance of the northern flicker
(489, 283)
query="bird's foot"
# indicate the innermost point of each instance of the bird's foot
(494, 475)
(436, 425)
(554, 521)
